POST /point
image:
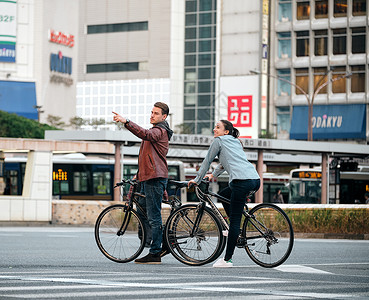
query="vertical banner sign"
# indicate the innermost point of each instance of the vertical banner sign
(264, 65)
(240, 110)
(8, 30)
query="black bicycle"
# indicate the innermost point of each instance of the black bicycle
(121, 229)
(196, 233)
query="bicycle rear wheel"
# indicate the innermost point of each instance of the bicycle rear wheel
(268, 234)
(118, 233)
(191, 246)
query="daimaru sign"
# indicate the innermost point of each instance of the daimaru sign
(60, 63)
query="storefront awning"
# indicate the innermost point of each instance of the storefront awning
(19, 98)
(330, 122)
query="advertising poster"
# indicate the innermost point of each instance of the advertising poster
(239, 103)
(8, 30)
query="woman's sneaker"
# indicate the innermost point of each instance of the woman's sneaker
(221, 263)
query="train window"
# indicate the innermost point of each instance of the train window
(101, 182)
(173, 173)
(60, 187)
(80, 181)
(130, 171)
(11, 183)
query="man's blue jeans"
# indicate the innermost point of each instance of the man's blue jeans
(154, 191)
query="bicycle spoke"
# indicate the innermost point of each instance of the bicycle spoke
(126, 245)
(269, 235)
(191, 245)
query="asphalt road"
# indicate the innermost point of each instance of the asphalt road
(57, 263)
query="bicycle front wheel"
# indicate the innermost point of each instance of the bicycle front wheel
(191, 244)
(119, 234)
(269, 235)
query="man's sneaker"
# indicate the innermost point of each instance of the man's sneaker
(150, 259)
(221, 263)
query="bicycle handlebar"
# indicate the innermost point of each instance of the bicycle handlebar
(124, 181)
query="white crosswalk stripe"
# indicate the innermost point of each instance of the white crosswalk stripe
(85, 284)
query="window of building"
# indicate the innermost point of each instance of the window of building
(190, 60)
(302, 80)
(340, 8)
(205, 19)
(205, 46)
(284, 44)
(115, 67)
(339, 41)
(338, 85)
(358, 40)
(284, 88)
(359, 7)
(191, 19)
(321, 42)
(189, 114)
(283, 119)
(200, 46)
(321, 9)
(117, 27)
(303, 10)
(206, 100)
(302, 43)
(207, 5)
(284, 11)
(190, 46)
(358, 79)
(320, 77)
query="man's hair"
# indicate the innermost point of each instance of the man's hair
(163, 106)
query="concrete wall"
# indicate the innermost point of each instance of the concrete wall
(35, 202)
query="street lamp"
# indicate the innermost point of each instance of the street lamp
(310, 102)
(39, 111)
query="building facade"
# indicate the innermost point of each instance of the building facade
(195, 55)
(320, 55)
(39, 79)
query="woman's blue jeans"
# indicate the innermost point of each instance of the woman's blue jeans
(239, 191)
(154, 191)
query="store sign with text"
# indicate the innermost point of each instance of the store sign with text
(8, 31)
(240, 110)
(63, 65)
(61, 38)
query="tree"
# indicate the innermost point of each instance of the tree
(55, 121)
(14, 126)
(77, 122)
(95, 122)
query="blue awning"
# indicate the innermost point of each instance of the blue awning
(330, 122)
(19, 98)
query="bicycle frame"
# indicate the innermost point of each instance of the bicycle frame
(129, 206)
(205, 198)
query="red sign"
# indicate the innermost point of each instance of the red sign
(240, 110)
(61, 38)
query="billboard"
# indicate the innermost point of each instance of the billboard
(239, 103)
(8, 30)
(341, 121)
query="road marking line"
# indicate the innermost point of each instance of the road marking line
(300, 269)
(136, 284)
(95, 294)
